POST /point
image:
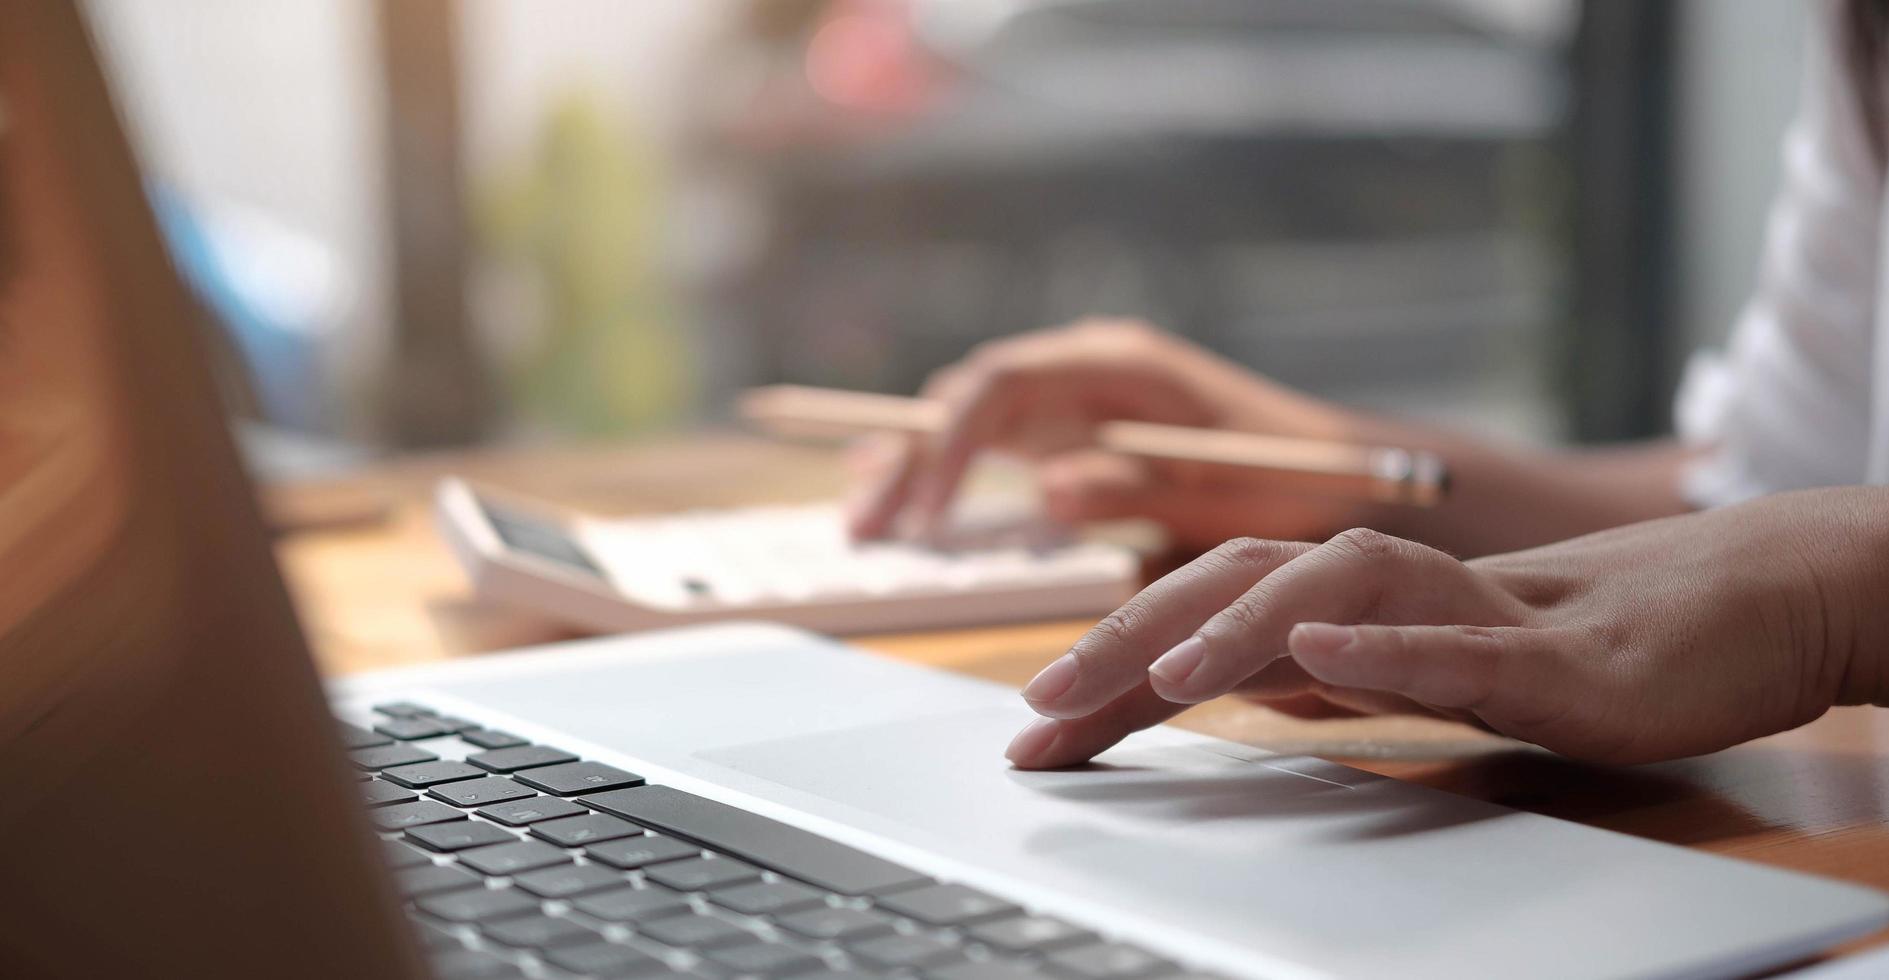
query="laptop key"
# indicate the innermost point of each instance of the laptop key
(590, 828)
(1107, 961)
(836, 924)
(385, 756)
(458, 835)
(947, 905)
(435, 937)
(1028, 934)
(512, 858)
(984, 970)
(605, 960)
(519, 757)
(478, 904)
(487, 738)
(529, 811)
(472, 964)
(408, 729)
(403, 709)
(767, 898)
(899, 952)
(763, 959)
(399, 856)
(540, 932)
(568, 880)
(789, 850)
(636, 852)
(701, 874)
(374, 792)
(630, 904)
(432, 878)
(424, 774)
(400, 816)
(572, 778)
(479, 792)
(356, 737)
(695, 931)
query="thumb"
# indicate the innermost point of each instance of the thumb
(1508, 672)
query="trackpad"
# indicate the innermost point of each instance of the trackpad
(945, 776)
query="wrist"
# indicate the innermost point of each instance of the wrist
(1846, 546)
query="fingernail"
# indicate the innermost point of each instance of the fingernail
(1320, 638)
(1033, 741)
(1054, 682)
(1178, 664)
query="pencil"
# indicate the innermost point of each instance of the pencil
(1379, 473)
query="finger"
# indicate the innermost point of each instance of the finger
(1051, 743)
(1113, 657)
(1504, 672)
(871, 513)
(1340, 581)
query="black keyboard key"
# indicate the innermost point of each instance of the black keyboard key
(487, 738)
(1028, 934)
(432, 878)
(521, 757)
(399, 856)
(540, 932)
(763, 959)
(695, 931)
(433, 936)
(775, 845)
(902, 951)
(400, 816)
(1107, 961)
(407, 729)
(472, 964)
(591, 828)
(377, 793)
(628, 904)
(424, 774)
(568, 880)
(356, 737)
(572, 778)
(606, 960)
(767, 898)
(458, 835)
(947, 905)
(836, 924)
(457, 726)
(513, 858)
(635, 852)
(701, 874)
(403, 709)
(478, 904)
(390, 755)
(984, 970)
(480, 792)
(530, 811)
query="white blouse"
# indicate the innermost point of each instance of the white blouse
(1801, 396)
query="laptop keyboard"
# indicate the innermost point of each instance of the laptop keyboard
(523, 860)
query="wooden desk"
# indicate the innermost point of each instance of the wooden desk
(386, 593)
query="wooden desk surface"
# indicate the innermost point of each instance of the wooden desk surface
(385, 592)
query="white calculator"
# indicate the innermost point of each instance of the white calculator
(786, 564)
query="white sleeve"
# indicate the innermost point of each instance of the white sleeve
(1789, 404)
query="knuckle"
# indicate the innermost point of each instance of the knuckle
(1365, 544)
(1248, 551)
(1114, 631)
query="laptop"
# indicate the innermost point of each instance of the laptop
(182, 798)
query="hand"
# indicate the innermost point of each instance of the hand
(1041, 396)
(1652, 641)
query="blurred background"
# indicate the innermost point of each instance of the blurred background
(437, 223)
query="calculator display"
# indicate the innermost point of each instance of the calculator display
(540, 538)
